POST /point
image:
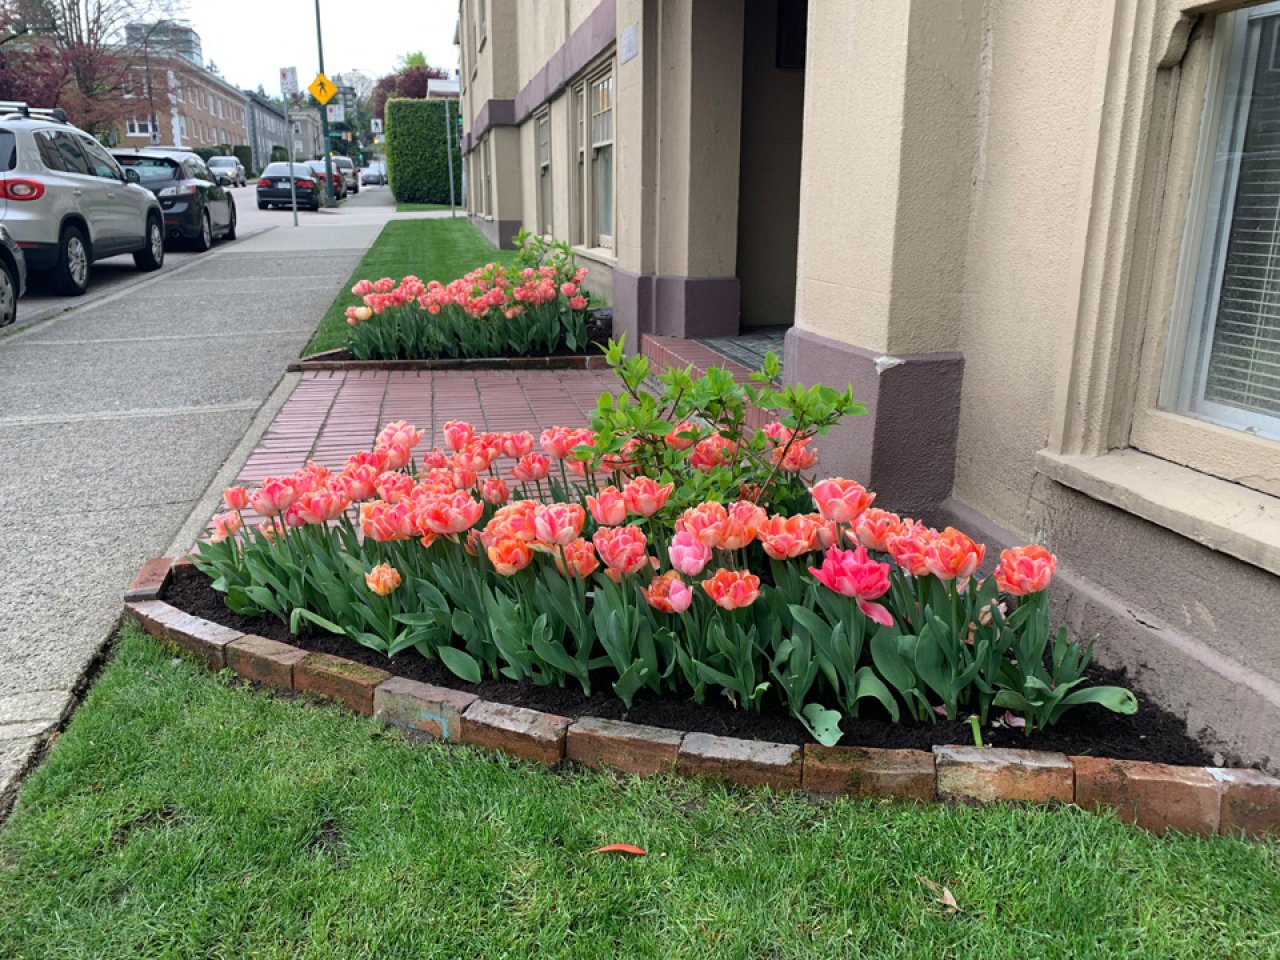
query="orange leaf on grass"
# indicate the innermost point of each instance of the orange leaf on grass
(621, 848)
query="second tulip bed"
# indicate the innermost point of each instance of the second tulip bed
(667, 550)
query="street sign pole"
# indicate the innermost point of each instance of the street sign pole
(448, 149)
(324, 122)
(293, 180)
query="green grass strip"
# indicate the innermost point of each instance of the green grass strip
(185, 815)
(441, 250)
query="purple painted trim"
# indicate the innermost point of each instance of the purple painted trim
(497, 232)
(493, 113)
(674, 306)
(917, 399)
(592, 38)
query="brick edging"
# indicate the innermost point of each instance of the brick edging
(1156, 796)
(579, 361)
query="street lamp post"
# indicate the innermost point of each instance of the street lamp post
(324, 121)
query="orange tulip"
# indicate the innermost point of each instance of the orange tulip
(509, 556)
(383, 579)
(732, 589)
(1025, 570)
(953, 556)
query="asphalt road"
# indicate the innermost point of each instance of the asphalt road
(121, 411)
(111, 275)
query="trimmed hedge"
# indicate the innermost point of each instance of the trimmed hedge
(417, 157)
(244, 153)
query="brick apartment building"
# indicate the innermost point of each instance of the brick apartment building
(183, 104)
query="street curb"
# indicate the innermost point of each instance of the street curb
(210, 501)
(1157, 797)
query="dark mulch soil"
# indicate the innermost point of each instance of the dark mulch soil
(1152, 734)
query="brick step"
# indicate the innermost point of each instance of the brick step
(664, 353)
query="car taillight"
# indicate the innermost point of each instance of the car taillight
(264, 182)
(306, 184)
(183, 190)
(21, 189)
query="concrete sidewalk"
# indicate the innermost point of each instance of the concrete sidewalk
(114, 419)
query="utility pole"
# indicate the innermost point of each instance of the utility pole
(324, 122)
(448, 147)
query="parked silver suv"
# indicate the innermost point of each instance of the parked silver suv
(67, 203)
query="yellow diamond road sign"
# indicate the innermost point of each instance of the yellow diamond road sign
(322, 88)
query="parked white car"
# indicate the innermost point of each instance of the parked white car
(67, 203)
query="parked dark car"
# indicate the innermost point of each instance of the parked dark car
(196, 207)
(13, 277)
(274, 186)
(339, 183)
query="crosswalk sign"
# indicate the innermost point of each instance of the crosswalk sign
(322, 88)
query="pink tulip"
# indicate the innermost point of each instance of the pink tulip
(449, 515)
(841, 500)
(559, 523)
(622, 549)
(531, 468)
(785, 538)
(608, 508)
(668, 593)
(688, 554)
(516, 445)
(457, 434)
(237, 497)
(852, 573)
(874, 527)
(495, 491)
(225, 525)
(275, 494)
(645, 496)
(705, 522)
(953, 556)
(394, 487)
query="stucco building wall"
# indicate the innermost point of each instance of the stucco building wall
(985, 206)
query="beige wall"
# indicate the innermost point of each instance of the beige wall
(1011, 181)
(1037, 132)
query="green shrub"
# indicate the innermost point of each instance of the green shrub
(244, 153)
(417, 157)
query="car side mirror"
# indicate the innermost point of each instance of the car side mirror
(131, 176)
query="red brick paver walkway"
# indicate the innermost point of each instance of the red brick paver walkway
(333, 414)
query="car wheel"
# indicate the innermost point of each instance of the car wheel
(263, 206)
(231, 225)
(151, 257)
(204, 239)
(71, 275)
(8, 296)
(315, 206)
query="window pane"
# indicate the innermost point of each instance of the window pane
(73, 160)
(1239, 362)
(602, 176)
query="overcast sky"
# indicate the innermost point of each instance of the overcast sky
(250, 42)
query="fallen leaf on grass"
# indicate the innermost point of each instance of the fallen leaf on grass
(620, 848)
(945, 897)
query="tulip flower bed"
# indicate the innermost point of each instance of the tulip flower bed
(666, 551)
(536, 308)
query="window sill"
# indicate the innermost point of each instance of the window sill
(601, 255)
(1229, 518)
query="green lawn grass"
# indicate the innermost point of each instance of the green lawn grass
(428, 249)
(419, 207)
(185, 815)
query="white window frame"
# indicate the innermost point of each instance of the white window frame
(586, 225)
(542, 170)
(144, 127)
(1203, 261)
